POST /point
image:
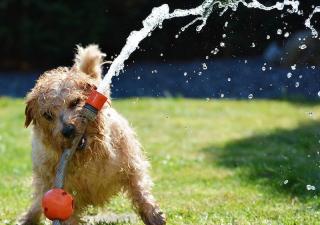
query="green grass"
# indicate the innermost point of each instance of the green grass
(213, 162)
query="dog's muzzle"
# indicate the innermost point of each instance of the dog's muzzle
(82, 144)
(68, 131)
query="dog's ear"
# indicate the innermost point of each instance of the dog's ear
(89, 60)
(29, 111)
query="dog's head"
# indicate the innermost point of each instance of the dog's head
(53, 105)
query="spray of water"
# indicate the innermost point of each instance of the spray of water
(308, 22)
(154, 20)
(257, 5)
(202, 13)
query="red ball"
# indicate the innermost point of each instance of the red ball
(57, 204)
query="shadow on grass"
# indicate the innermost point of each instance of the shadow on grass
(285, 161)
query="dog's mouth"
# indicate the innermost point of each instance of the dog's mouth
(83, 143)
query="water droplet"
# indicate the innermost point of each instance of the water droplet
(200, 73)
(138, 77)
(222, 95)
(224, 35)
(204, 66)
(229, 79)
(310, 187)
(207, 99)
(279, 31)
(161, 54)
(250, 96)
(318, 93)
(304, 46)
(215, 51)
(185, 74)
(287, 34)
(268, 37)
(297, 84)
(293, 67)
(263, 68)
(285, 182)
(222, 44)
(226, 24)
(289, 75)
(253, 45)
(176, 36)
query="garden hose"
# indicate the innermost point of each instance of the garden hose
(93, 105)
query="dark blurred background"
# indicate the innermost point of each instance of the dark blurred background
(37, 35)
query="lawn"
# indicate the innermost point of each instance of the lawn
(213, 162)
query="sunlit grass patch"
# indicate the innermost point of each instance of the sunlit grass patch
(213, 162)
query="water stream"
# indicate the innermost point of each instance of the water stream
(201, 14)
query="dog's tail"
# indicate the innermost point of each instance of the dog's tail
(89, 60)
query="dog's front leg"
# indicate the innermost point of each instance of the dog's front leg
(143, 200)
(33, 215)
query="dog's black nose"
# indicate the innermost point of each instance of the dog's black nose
(68, 130)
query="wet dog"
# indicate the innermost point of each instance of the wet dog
(109, 158)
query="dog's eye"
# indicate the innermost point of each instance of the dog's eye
(74, 103)
(48, 116)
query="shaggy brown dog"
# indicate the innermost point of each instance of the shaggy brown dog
(109, 158)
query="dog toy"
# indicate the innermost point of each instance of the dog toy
(57, 204)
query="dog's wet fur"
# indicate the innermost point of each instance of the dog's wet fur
(109, 158)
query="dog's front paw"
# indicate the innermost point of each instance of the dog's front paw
(154, 217)
(27, 220)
